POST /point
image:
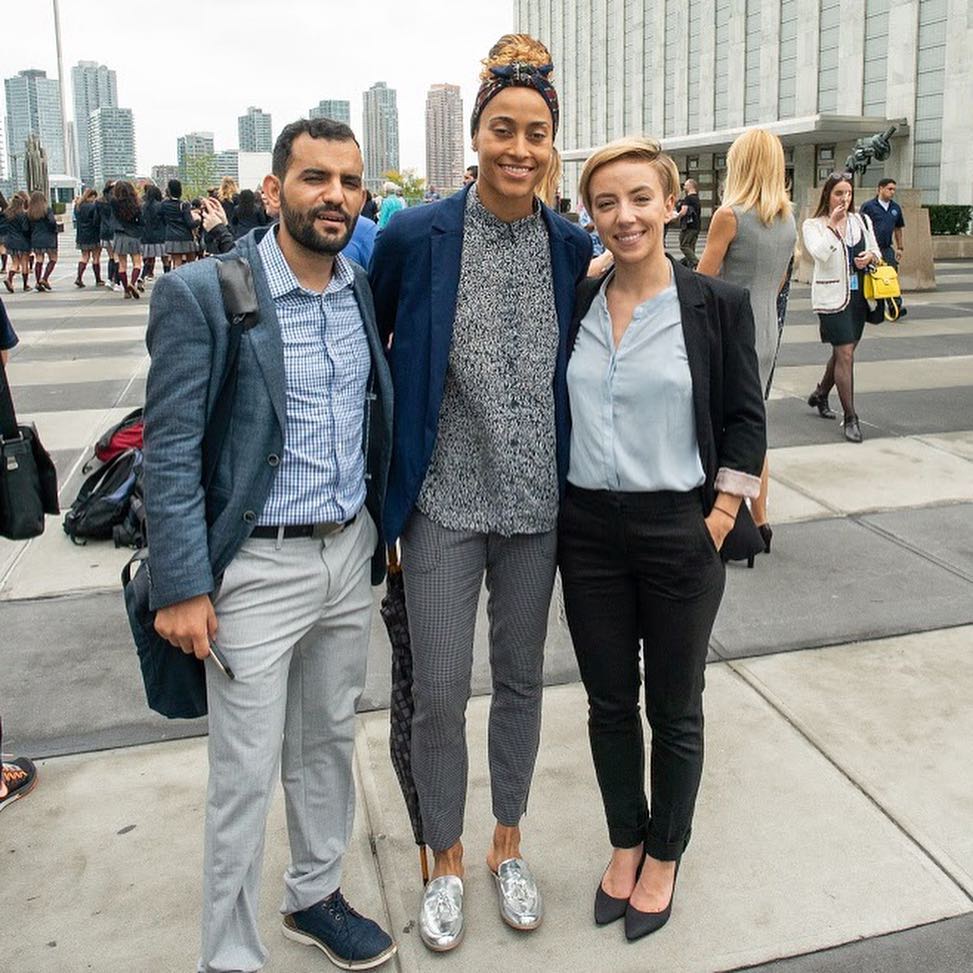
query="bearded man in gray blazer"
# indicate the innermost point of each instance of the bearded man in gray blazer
(273, 562)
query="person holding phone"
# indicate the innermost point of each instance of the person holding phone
(842, 244)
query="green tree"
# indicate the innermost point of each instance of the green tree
(198, 176)
(413, 186)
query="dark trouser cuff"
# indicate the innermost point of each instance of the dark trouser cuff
(664, 851)
(626, 837)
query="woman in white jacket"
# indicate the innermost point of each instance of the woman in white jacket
(842, 244)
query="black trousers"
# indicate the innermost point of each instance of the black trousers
(640, 572)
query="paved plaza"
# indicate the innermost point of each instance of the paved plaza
(835, 825)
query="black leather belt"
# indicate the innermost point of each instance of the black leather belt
(317, 531)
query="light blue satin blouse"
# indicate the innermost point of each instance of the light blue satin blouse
(633, 425)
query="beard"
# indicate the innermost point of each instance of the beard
(301, 225)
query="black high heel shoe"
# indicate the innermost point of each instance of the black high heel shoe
(745, 541)
(767, 534)
(607, 907)
(639, 924)
(820, 402)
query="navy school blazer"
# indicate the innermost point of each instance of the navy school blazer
(415, 276)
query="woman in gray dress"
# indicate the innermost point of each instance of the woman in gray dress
(751, 243)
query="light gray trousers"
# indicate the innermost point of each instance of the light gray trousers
(294, 619)
(443, 572)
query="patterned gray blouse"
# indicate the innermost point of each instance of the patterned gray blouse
(494, 466)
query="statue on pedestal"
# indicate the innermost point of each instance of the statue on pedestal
(35, 167)
(866, 150)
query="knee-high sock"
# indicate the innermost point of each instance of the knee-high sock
(96, 267)
(38, 267)
(122, 277)
(48, 269)
(3, 263)
(112, 270)
(149, 266)
(25, 274)
(166, 265)
(135, 275)
(81, 268)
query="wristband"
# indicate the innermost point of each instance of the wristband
(727, 512)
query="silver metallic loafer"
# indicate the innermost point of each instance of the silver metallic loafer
(441, 914)
(520, 900)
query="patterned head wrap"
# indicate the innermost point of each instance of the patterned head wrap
(516, 75)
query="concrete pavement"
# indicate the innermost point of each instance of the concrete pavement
(834, 826)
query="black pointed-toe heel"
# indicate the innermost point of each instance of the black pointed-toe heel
(767, 534)
(639, 924)
(820, 402)
(607, 908)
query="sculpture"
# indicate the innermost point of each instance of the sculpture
(35, 165)
(866, 150)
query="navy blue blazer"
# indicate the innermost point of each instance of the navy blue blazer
(195, 536)
(415, 276)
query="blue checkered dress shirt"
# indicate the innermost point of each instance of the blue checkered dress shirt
(326, 363)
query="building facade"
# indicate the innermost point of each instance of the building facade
(444, 137)
(228, 164)
(819, 73)
(255, 131)
(34, 108)
(111, 145)
(95, 86)
(162, 174)
(334, 108)
(380, 131)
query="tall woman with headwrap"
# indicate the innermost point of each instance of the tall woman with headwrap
(476, 293)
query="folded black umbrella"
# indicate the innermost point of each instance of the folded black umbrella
(401, 704)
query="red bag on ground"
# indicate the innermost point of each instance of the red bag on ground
(126, 434)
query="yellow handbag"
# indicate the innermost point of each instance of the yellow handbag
(882, 282)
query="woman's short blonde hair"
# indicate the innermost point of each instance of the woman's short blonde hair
(755, 175)
(639, 148)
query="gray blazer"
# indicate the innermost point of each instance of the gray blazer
(194, 537)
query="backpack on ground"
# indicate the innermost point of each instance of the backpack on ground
(127, 434)
(105, 498)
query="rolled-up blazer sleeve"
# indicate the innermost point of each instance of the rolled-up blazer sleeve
(181, 347)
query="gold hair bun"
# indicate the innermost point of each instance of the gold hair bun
(515, 49)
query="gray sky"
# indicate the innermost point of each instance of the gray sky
(198, 65)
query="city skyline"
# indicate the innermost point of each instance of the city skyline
(444, 137)
(285, 87)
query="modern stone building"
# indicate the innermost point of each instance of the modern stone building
(380, 131)
(334, 108)
(228, 164)
(819, 73)
(95, 86)
(34, 108)
(444, 137)
(111, 145)
(255, 131)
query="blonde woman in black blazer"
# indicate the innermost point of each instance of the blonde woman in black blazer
(667, 440)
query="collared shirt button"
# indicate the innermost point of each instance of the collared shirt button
(249, 517)
(273, 459)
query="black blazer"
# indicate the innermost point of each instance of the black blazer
(717, 326)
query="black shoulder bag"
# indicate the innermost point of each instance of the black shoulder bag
(28, 480)
(175, 683)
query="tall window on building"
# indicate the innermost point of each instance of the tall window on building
(633, 43)
(787, 60)
(650, 82)
(673, 41)
(876, 56)
(828, 31)
(751, 94)
(927, 136)
(722, 66)
(614, 71)
(695, 59)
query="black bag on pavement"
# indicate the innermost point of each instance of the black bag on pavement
(175, 682)
(28, 480)
(104, 499)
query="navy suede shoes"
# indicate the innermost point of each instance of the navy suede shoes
(348, 939)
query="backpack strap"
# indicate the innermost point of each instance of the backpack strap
(8, 417)
(243, 311)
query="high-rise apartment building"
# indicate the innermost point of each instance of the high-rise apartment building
(444, 137)
(190, 147)
(162, 174)
(34, 108)
(380, 131)
(95, 86)
(111, 144)
(255, 131)
(339, 110)
(695, 73)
